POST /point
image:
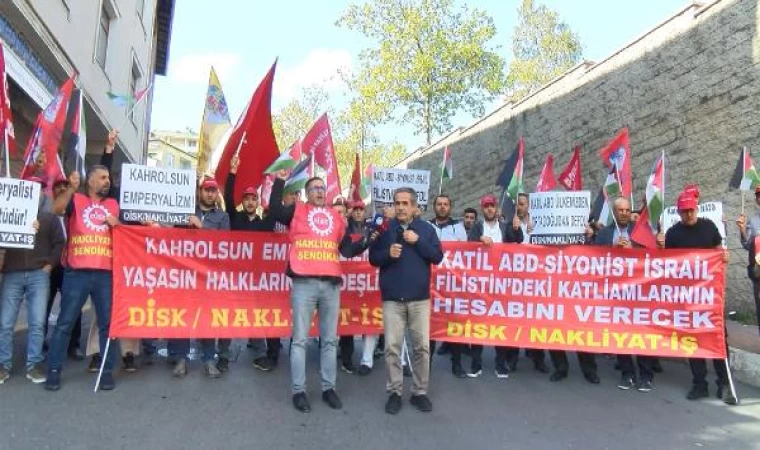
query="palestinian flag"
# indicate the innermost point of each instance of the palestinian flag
(511, 180)
(297, 179)
(646, 228)
(447, 166)
(745, 176)
(284, 162)
(611, 190)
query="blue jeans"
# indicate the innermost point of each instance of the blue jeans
(306, 295)
(35, 285)
(77, 286)
(179, 348)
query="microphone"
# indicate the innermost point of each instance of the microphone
(399, 235)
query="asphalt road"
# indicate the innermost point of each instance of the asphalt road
(249, 409)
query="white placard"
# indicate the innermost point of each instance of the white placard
(386, 181)
(559, 217)
(19, 202)
(157, 194)
(712, 211)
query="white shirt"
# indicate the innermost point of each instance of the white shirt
(526, 235)
(450, 232)
(493, 230)
(618, 232)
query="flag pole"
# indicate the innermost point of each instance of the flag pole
(662, 215)
(240, 145)
(132, 108)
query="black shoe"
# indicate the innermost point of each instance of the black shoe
(511, 366)
(727, 395)
(393, 405)
(644, 386)
(94, 366)
(626, 382)
(301, 402)
(348, 367)
(223, 365)
(53, 382)
(616, 366)
(592, 377)
(557, 376)
(502, 372)
(421, 402)
(476, 368)
(75, 354)
(331, 398)
(263, 364)
(106, 382)
(457, 370)
(129, 363)
(273, 358)
(444, 349)
(698, 391)
(540, 366)
(656, 366)
(407, 372)
(364, 370)
(249, 344)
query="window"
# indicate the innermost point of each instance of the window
(192, 144)
(169, 161)
(185, 164)
(134, 81)
(104, 29)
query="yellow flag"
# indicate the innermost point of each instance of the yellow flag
(216, 122)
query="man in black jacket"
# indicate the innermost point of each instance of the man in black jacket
(489, 231)
(404, 254)
(26, 273)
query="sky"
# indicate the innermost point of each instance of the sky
(241, 39)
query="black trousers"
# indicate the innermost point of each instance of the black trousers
(346, 346)
(699, 368)
(561, 364)
(756, 294)
(503, 354)
(645, 366)
(56, 281)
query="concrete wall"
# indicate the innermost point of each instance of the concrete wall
(690, 87)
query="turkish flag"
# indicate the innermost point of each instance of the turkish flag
(547, 182)
(572, 177)
(355, 194)
(254, 137)
(318, 142)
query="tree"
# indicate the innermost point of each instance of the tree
(431, 59)
(293, 120)
(544, 48)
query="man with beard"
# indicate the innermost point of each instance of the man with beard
(489, 231)
(266, 352)
(449, 230)
(208, 217)
(469, 218)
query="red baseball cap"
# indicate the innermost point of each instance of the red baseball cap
(693, 189)
(686, 201)
(488, 199)
(60, 180)
(209, 183)
(358, 205)
(251, 191)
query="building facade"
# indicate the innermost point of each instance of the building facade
(173, 149)
(112, 45)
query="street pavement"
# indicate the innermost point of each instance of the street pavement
(250, 409)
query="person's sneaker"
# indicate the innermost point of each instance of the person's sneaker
(53, 382)
(540, 366)
(223, 365)
(421, 402)
(75, 354)
(129, 363)
(331, 398)
(476, 368)
(393, 405)
(626, 382)
(301, 403)
(180, 368)
(4, 374)
(210, 369)
(407, 372)
(558, 376)
(697, 391)
(644, 386)
(502, 372)
(263, 364)
(106, 382)
(94, 366)
(36, 375)
(458, 372)
(348, 367)
(364, 370)
(592, 377)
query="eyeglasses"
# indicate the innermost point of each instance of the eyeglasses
(316, 189)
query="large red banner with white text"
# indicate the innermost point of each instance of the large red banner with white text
(178, 283)
(588, 298)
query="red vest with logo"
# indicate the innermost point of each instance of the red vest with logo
(315, 235)
(90, 245)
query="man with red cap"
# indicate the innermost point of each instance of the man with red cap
(695, 232)
(26, 273)
(489, 231)
(749, 234)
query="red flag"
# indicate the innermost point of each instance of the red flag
(572, 177)
(619, 152)
(642, 232)
(355, 194)
(47, 136)
(6, 120)
(318, 142)
(254, 136)
(547, 181)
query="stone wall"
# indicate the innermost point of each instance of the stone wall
(690, 87)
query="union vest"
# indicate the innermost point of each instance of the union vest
(90, 245)
(315, 235)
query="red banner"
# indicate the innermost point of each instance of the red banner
(594, 299)
(180, 283)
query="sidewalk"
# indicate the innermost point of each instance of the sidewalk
(744, 344)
